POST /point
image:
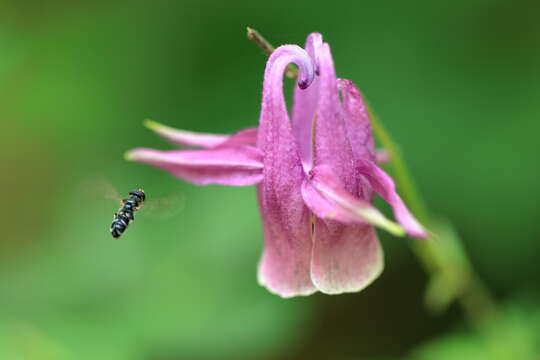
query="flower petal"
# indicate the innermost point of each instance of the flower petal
(383, 184)
(382, 156)
(346, 258)
(314, 42)
(357, 122)
(187, 138)
(285, 265)
(326, 196)
(237, 166)
(243, 137)
(332, 147)
(305, 106)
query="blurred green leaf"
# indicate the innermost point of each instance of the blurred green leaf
(450, 279)
(513, 334)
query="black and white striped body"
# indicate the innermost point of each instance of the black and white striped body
(125, 214)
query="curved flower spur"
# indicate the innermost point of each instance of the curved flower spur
(315, 177)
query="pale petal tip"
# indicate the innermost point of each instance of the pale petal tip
(352, 289)
(314, 41)
(371, 272)
(153, 125)
(286, 294)
(289, 294)
(419, 232)
(128, 155)
(131, 155)
(373, 216)
(376, 218)
(413, 226)
(395, 229)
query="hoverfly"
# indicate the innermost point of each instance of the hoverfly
(98, 187)
(126, 212)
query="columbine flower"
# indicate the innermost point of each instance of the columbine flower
(315, 177)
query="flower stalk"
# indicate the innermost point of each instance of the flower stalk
(268, 49)
(442, 256)
(451, 275)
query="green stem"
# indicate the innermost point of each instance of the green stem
(406, 187)
(448, 262)
(268, 49)
(474, 296)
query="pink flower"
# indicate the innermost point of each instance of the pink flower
(315, 177)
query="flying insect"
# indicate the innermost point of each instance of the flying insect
(126, 212)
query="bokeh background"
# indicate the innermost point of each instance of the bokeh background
(456, 82)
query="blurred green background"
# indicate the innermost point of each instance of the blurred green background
(456, 82)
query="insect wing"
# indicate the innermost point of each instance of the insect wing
(99, 188)
(164, 207)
